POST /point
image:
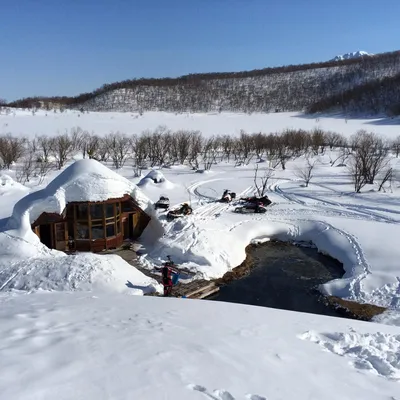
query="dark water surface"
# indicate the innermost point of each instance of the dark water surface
(284, 276)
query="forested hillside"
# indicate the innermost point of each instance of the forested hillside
(367, 84)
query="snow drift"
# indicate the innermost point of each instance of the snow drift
(156, 178)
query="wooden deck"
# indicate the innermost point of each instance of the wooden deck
(197, 289)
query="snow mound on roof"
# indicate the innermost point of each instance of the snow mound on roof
(7, 183)
(81, 272)
(349, 56)
(84, 180)
(156, 177)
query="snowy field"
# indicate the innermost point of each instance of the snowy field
(101, 123)
(92, 341)
(98, 346)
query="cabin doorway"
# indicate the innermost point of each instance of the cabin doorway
(45, 235)
(131, 225)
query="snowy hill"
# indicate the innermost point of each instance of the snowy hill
(288, 88)
(351, 56)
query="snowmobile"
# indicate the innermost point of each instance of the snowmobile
(182, 211)
(163, 203)
(264, 200)
(227, 196)
(251, 208)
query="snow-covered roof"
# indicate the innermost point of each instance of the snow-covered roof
(84, 180)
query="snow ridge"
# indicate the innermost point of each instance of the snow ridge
(350, 56)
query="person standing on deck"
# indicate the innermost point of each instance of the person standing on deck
(167, 271)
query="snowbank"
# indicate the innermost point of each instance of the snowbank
(82, 272)
(8, 184)
(156, 178)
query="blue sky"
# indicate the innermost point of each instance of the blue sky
(66, 47)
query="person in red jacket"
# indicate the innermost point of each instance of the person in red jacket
(167, 270)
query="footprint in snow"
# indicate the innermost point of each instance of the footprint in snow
(220, 394)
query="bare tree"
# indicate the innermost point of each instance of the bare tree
(118, 145)
(27, 168)
(61, 149)
(371, 151)
(306, 173)
(196, 146)
(140, 151)
(356, 169)
(227, 144)
(243, 149)
(318, 141)
(42, 168)
(387, 176)
(396, 146)
(92, 143)
(210, 152)
(261, 182)
(44, 145)
(11, 150)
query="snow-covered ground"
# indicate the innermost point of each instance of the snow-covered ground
(96, 343)
(99, 346)
(100, 123)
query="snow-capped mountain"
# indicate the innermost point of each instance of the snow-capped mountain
(349, 56)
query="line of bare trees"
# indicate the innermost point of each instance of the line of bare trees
(365, 154)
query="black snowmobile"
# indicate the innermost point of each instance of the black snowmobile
(182, 211)
(163, 203)
(264, 200)
(227, 196)
(249, 208)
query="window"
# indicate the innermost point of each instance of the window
(110, 230)
(110, 210)
(82, 231)
(117, 208)
(96, 211)
(82, 211)
(97, 232)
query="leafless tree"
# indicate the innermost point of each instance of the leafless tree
(180, 146)
(318, 141)
(44, 145)
(356, 169)
(372, 152)
(92, 143)
(396, 146)
(196, 146)
(26, 169)
(306, 172)
(261, 182)
(118, 145)
(42, 168)
(387, 176)
(140, 151)
(61, 149)
(227, 144)
(282, 152)
(243, 149)
(210, 152)
(11, 150)
(334, 139)
(77, 136)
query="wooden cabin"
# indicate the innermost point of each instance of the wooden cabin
(92, 226)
